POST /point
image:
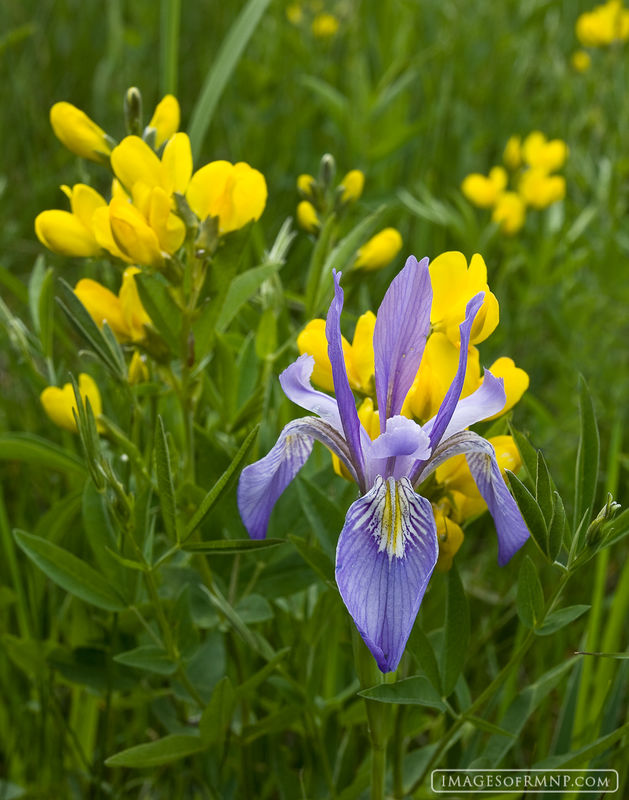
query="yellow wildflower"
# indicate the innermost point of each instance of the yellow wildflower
(124, 313)
(539, 153)
(324, 26)
(79, 133)
(71, 233)
(305, 183)
(235, 193)
(380, 250)
(509, 212)
(484, 191)
(352, 184)
(59, 403)
(165, 119)
(603, 25)
(307, 217)
(453, 286)
(539, 190)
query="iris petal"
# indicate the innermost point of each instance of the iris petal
(385, 556)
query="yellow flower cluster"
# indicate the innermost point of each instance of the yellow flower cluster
(533, 162)
(316, 205)
(140, 224)
(323, 24)
(603, 25)
(454, 283)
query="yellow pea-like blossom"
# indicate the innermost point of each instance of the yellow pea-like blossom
(165, 119)
(81, 135)
(436, 372)
(353, 184)
(512, 155)
(139, 170)
(581, 61)
(71, 233)
(540, 153)
(307, 217)
(509, 212)
(540, 190)
(124, 313)
(59, 403)
(324, 25)
(235, 193)
(380, 250)
(453, 286)
(484, 190)
(457, 480)
(450, 538)
(135, 238)
(603, 25)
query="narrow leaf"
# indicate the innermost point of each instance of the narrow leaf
(422, 651)
(527, 452)
(530, 598)
(417, 691)
(154, 754)
(70, 572)
(149, 658)
(35, 450)
(560, 618)
(557, 527)
(544, 488)
(588, 453)
(456, 632)
(321, 563)
(229, 547)
(165, 485)
(242, 289)
(217, 715)
(531, 511)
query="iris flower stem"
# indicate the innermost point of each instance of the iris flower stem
(493, 687)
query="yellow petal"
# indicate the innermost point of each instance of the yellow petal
(84, 201)
(362, 354)
(59, 403)
(312, 340)
(133, 312)
(165, 119)
(101, 225)
(307, 217)
(352, 184)
(380, 250)
(138, 371)
(170, 230)
(304, 184)
(509, 213)
(177, 164)
(102, 306)
(436, 371)
(539, 190)
(79, 133)
(450, 538)
(516, 381)
(133, 160)
(324, 25)
(88, 389)
(133, 235)
(64, 233)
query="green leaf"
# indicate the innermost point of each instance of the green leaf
(229, 547)
(488, 727)
(70, 572)
(558, 619)
(161, 308)
(35, 450)
(417, 691)
(149, 658)
(456, 632)
(165, 485)
(109, 353)
(217, 715)
(154, 754)
(531, 511)
(41, 298)
(226, 60)
(259, 677)
(530, 598)
(422, 651)
(266, 335)
(318, 560)
(326, 517)
(527, 452)
(220, 486)
(544, 488)
(557, 527)
(588, 453)
(242, 289)
(585, 754)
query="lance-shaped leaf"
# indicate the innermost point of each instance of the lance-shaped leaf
(456, 632)
(155, 754)
(587, 456)
(530, 598)
(165, 484)
(417, 691)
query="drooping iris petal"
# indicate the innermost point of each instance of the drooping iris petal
(481, 459)
(344, 396)
(262, 483)
(295, 382)
(385, 556)
(402, 327)
(487, 400)
(444, 415)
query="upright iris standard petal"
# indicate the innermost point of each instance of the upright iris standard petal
(481, 459)
(451, 399)
(402, 327)
(385, 556)
(344, 396)
(262, 483)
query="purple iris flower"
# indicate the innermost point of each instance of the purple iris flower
(388, 547)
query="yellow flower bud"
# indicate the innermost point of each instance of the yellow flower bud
(59, 403)
(79, 133)
(450, 538)
(484, 191)
(581, 61)
(453, 286)
(235, 193)
(512, 155)
(544, 155)
(304, 184)
(380, 250)
(133, 313)
(165, 119)
(509, 212)
(307, 217)
(539, 190)
(352, 184)
(324, 26)
(71, 233)
(138, 371)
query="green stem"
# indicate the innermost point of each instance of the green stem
(8, 548)
(169, 44)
